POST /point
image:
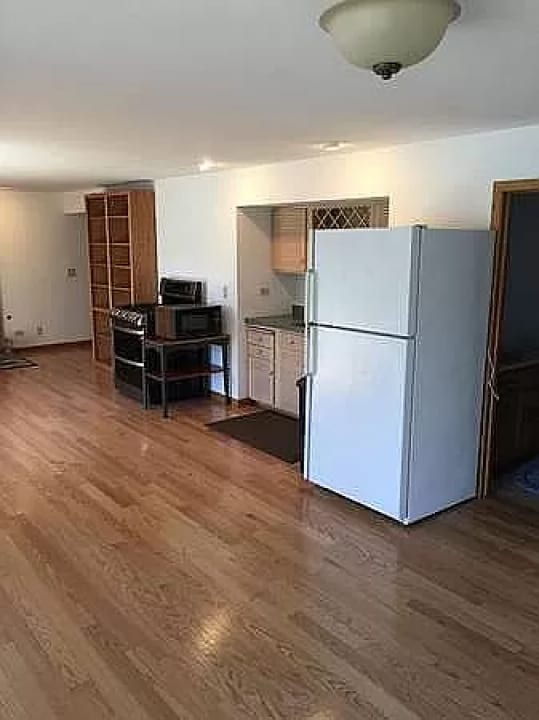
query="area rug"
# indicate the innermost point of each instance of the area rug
(268, 431)
(524, 478)
(12, 362)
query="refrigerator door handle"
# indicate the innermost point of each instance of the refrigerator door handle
(310, 296)
(311, 351)
(311, 369)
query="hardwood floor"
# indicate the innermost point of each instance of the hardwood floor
(155, 570)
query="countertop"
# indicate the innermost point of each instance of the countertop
(276, 322)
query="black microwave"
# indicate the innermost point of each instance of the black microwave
(184, 322)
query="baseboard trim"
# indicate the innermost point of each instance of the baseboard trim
(55, 346)
(235, 403)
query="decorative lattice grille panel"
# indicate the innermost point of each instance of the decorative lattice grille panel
(344, 217)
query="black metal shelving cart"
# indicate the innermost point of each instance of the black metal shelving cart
(170, 362)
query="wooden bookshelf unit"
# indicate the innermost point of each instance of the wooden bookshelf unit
(123, 258)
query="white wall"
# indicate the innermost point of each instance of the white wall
(75, 201)
(38, 243)
(255, 274)
(441, 183)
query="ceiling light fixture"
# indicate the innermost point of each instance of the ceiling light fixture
(206, 165)
(387, 35)
(334, 146)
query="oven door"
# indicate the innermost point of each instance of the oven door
(128, 345)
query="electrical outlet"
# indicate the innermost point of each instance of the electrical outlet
(225, 292)
(71, 272)
(264, 291)
(40, 330)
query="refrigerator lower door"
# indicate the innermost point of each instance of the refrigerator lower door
(358, 431)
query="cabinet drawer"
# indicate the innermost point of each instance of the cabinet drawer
(291, 349)
(258, 351)
(261, 338)
(291, 341)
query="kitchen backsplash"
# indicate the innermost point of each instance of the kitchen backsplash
(295, 287)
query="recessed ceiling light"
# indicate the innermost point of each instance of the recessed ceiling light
(334, 146)
(206, 165)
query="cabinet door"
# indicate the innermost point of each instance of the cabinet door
(289, 368)
(286, 392)
(289, 240)
(261, 381)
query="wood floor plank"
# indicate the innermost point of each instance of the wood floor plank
(153, 569)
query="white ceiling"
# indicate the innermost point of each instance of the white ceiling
(114, 90)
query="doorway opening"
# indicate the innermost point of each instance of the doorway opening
(509, 466)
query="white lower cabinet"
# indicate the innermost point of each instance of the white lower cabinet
(288, 369)
(286, 391)
(276, 362)
(261, 381)
(261, 358)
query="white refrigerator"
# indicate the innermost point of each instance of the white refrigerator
(397, 335)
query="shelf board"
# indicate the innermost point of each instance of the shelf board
(122, 267)
(101, 310)
(120, 244)
(121, 289)
(176, 375)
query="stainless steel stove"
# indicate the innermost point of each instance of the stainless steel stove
(132, 324)
(134, 317)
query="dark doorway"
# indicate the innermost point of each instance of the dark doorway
(514, 458)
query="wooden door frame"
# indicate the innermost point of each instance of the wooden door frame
(503, 193)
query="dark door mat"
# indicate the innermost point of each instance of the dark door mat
(268, 431)
(12, 362)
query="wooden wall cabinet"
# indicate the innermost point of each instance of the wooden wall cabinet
(122, 254)
(289, 240)
(291, 225)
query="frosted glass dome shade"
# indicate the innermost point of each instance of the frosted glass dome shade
(378, 34)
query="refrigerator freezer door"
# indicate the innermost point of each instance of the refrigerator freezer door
(366, 280)
(359, 417)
